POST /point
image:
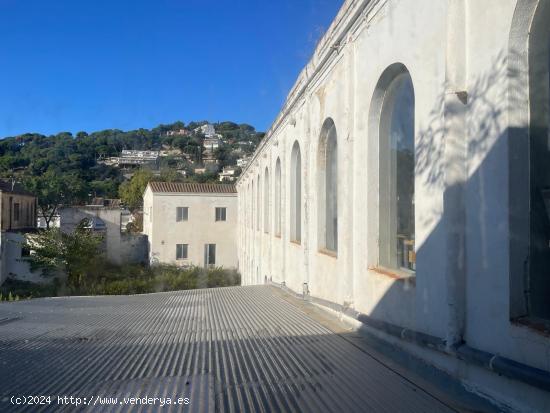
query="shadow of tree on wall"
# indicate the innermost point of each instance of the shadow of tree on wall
(482, 159)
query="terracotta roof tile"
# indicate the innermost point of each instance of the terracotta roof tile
(179, 187)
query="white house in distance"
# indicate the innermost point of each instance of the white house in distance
(191, 224)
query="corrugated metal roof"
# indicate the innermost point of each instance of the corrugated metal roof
(230, 349)
(179, 187)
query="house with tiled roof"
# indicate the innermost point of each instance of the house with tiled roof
(191, 224)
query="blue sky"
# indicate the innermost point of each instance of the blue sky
(72, 65)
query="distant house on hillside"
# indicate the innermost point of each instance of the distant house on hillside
(207, 130)
(129, 158)
(179, 132)
(18, 211)
(191, 224)
(242, 162)
(211, 143)
(133, 157)
(228, 174)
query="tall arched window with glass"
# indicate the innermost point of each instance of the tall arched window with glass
(277, 202)
(266, 201)
(396, 175)
(252, 205)
(328, 187)
(258, 203)
(538, 285)
(296, 194)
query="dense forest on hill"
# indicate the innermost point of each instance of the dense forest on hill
(67, 169)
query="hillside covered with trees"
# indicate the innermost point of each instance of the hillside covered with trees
(64, 169)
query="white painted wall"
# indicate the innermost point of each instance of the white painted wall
(13, 264)
(159, 224)
(462, 285)
(120, 247)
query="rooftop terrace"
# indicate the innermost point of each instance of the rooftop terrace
(231, 349)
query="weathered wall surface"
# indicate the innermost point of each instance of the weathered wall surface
(163, 232)
(458, 54)
(120, 247)
(13, 264)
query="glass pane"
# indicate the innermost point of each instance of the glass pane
(397, 176)
(539, 255)
(331, 191)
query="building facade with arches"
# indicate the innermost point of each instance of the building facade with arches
(406, 184)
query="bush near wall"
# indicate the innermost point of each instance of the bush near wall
(110, 279)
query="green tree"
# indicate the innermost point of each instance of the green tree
(55, 190)
(131, 192)
(74, 254)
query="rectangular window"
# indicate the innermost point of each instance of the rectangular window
(221, 214)
(209, 254)
(181, 251)
(16, 211)
(182, 214)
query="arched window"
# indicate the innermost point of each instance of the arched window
(248, 209)
(252, 205)
(258, 203)
(296, 194)
(328, 187)
(266, 201)
(538, 286)
(277, 203)
(396, 170)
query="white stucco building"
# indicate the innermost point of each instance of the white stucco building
(191, 224)
(18, 211)
(405, 183)
(105, 216)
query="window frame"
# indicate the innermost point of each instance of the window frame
(296, 194)
(220, 217)
(327, 188)
(184, 247)
(183, 217)
(16, 212)
(266, 201)
(208, 254)
(278, 202)
(379, 241)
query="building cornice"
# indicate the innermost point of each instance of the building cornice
(351, 14)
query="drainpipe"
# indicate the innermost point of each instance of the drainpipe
(454, 212)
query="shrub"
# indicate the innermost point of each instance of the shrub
(109, 279)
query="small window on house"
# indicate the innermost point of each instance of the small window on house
(209, 254)
(181, 251)
(221, 214)
(16, 212)
(182, 214)
(25, 252)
